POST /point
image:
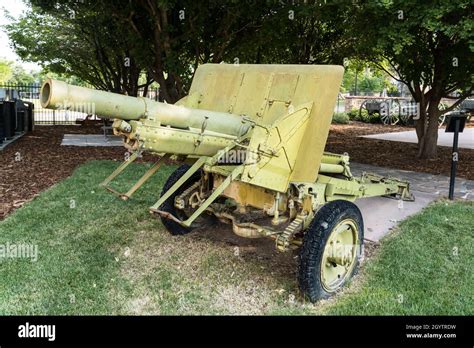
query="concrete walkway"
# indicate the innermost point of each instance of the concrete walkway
(466, 138)
(91, 140)
(382, 214)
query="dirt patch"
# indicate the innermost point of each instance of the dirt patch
(208, 271)
(248, 299)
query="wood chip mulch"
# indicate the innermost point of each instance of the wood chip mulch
(43, 162)
(345, 138)
(37, 161)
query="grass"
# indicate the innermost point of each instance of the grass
(101, 255)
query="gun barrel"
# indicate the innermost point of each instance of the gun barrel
(60, 95)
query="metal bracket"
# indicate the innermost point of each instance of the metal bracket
(216, 193)
(148, 174)
(119, 170)
(194, 168)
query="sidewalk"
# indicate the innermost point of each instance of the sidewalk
(382, 214)
(466, 138)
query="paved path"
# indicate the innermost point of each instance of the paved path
(91, 140)
(382, 214)
(466, 138)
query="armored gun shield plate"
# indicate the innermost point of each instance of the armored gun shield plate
(266, 92)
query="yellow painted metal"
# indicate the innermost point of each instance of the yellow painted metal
(277, 149)
(215, 193)
(194, 168)
(60, 95)
(332, 158)
(119, 169)
(286, 108)
(330, 168)
(148, 174)
(267, 92)
(367, 185)
(336, 164)
(181, 141)
(340, 255)
(279, 117)
(249, 195)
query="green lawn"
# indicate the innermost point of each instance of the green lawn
(101, 255)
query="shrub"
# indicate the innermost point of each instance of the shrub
(364, 116)
(340, 118)
(374, 118)
(353, 114)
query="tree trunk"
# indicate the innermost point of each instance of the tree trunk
(427, 131)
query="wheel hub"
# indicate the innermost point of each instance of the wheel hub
(340, 255)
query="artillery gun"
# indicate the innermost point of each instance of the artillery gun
(251, 139)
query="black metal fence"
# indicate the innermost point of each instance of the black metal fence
(31, 92)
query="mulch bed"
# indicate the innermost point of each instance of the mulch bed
(345, 138)
(43, 162)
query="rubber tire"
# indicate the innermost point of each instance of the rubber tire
(314, 242)
(168, 206)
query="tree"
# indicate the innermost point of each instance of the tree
(362, 77)
(5, 71)
(428, 45)
(71, 79)
(75, 38)
(20, 76)
(13, 73)
(298, 32)
(165, 41)
(176, 36)
(161, 40)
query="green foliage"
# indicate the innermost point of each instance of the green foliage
(340, 118)
(370, 79)
(5, 71)
(353, 114)
(13, 73)
(363, 116)
(302, 32)
(372, 118)
(75, 39)
(415, 37)
(428, 45)
(166, 41)
(71, 79)
(21, 76)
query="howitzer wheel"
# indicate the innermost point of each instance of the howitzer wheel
(331, 249)
(168, 206)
